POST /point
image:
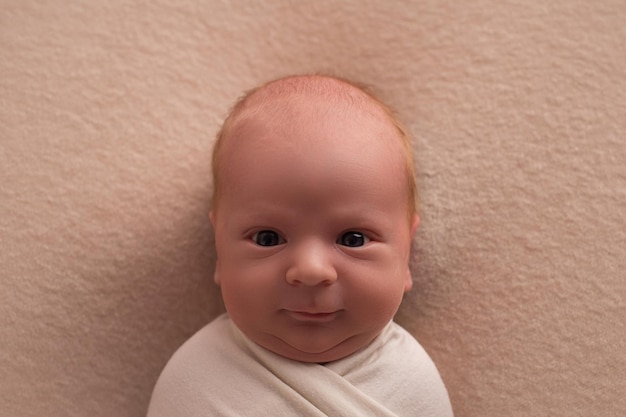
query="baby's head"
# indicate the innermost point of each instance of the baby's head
(314, 210)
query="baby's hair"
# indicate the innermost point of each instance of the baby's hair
(320, 84)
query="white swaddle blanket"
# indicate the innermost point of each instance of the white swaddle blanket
(220, 372)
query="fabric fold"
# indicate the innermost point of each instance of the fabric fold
(220, 372)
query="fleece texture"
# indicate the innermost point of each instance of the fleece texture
(517, 109)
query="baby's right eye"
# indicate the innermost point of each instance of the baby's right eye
(267, 238)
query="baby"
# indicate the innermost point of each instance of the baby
(314, 211)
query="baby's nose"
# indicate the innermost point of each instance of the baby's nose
(312, 265)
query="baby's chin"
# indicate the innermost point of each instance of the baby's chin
(316, 351)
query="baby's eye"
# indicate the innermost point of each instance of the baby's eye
(267, 238)
(353, 239)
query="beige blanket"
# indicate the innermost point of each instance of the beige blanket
(220, 372)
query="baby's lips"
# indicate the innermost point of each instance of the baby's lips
(317, 316)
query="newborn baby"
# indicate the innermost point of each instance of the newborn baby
(314, 211)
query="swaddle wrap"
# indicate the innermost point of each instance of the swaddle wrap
(220, 372)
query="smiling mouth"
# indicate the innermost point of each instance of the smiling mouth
(303, 316)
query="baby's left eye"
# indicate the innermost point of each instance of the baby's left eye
(353, 239)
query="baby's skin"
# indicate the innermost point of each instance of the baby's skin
(313, 217)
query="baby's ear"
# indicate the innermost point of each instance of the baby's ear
(409, 280)
(414, 224)
(216, 274)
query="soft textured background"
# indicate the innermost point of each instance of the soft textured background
(518, 108)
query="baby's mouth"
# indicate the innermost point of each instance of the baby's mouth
(312, 317)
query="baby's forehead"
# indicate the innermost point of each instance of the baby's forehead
(302, 122)
(309, 111)
(307, 118)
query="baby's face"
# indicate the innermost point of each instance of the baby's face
(311, 231)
